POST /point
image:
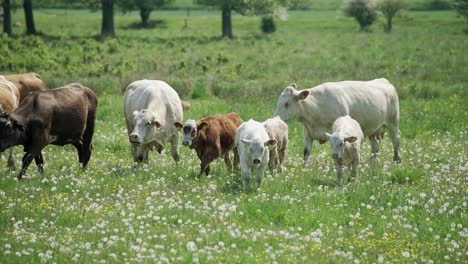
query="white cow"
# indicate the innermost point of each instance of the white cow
(277, 129)
(252, 142)
(345, 142)
(151, 108)
(374, 104)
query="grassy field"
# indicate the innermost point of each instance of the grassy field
(118, 212)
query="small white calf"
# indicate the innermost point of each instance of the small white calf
(277, 129)
(252, 142)
(345, 141)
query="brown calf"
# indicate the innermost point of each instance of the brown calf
(212, 137)
(60, 116)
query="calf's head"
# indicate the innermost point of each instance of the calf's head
(191, 130)
(288, 108)
(338, 144)
(145, 127)
(258, 149)
(10, 129)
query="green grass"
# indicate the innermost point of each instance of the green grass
(116, 211)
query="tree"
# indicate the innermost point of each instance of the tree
(462, 8)
(6, 17)
(144, 6)
(364, 11)
(107, 29)
(28, 15)
(243, 7)
(389, 9)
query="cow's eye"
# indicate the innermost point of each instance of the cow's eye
(286, 105)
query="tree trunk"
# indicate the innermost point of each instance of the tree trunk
(144, 14)
(7, 17)
(226, 22)
(388, 27)
(107, 29)
(28, 14)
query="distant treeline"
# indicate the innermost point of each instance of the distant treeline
(294, 4)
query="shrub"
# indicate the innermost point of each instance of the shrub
(364, 11)
(389, 9)
(268, 25)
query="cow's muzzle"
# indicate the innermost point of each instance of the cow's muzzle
(134, 138)
(256, 161)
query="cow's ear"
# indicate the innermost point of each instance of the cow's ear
(135, 113)
(202, 126)
(245, 141)
(302, 95)
(271, 143)
(328, 135)
(178, 125)
(18, 125)
(350, 139)
(156, 124)
(293, 86)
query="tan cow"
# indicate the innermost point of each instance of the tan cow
(9, 101)
(26, 83)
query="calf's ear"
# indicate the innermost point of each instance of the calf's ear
(135, 113)
(202, 126)
(293, 85)
(350, 139)
(271, 143)
(302, 95)
(245, 141)
(156, 124)
(178, 125)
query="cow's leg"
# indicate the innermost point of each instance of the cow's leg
(236, 158)
(11, 161)
(395, 136)
(339, 171)
(79, 149)
(246, 175)
(27, 159)
(375, 144)
(228, 161)
(88, 137)
(307, 145)
(40, 163)
(175, 147)
(282, 155)
(272, 161)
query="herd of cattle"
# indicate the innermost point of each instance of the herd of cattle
(342, 113)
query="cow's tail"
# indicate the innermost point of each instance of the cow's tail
(185, 105)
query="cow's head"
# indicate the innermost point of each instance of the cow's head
(10, 129)
(288, 108)
(145, 127)
(338, 143)
(258, 149)
(191, 130)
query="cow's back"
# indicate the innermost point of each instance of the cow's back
(27, 83)
(371, 103)
(156, 96)
(9, 96)
(63, 111)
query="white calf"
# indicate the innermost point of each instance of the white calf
(345, 141)
(252, 142)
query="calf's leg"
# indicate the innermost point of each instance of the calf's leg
(39, 162)
(11, 161)
(227, 160)
(27, 159)
(339, 171)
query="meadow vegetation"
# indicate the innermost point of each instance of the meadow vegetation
(116, 211)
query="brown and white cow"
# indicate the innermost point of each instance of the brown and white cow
(9, 101)
(212, 137)
(27, 83)
(60, 116)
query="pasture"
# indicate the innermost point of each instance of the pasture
(116, 211)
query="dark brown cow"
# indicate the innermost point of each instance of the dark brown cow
(26, 83)
(212, 137)
(60, 116)
(9, 101)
